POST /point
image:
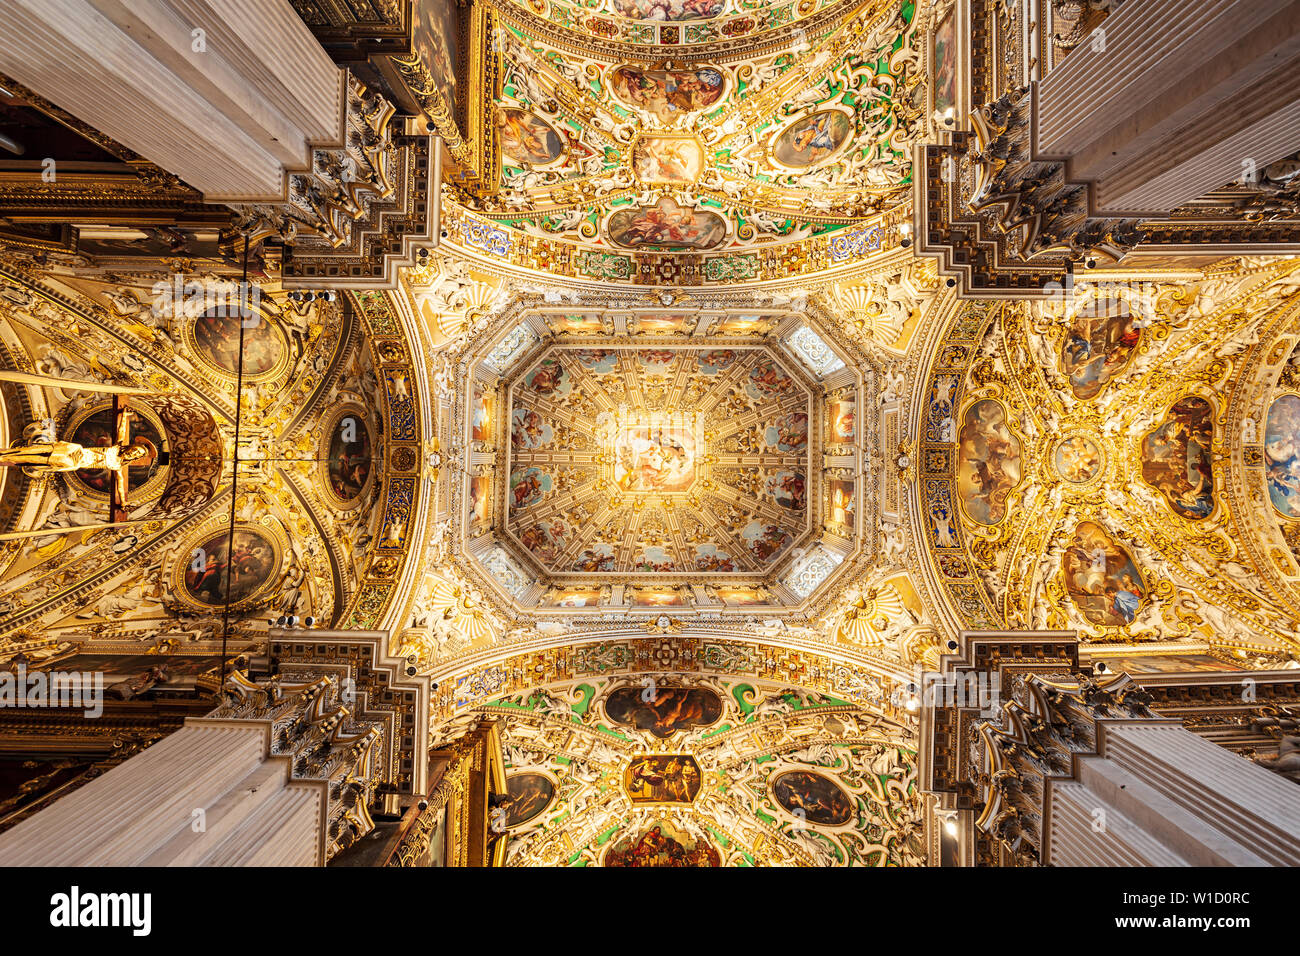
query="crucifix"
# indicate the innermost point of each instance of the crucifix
(46, 457)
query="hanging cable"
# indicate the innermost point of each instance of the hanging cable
(234, 474)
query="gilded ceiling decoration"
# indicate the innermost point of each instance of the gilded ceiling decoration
(690, 28)
(672, 455)
(1120, 461)
(320, 492)
(730, 168)
(650, 459)
(587, 422)
(657, 770)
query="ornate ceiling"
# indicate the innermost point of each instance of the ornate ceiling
(621, 157)
(660, 771)
(1105, 463)
(590, 434)
(306, 515)
(675, 401)
(648, 458)
(687, 28)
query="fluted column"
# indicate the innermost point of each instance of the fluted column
(210, 794)
(1156, 794)
(1169, 100)
(1060, 768)
(229, 95)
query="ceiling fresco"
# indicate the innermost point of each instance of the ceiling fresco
(1121, 462)
(610, 166)
(661, 770)
(685, 27)
(672, 457)
(717, 486)
(658, 459)
(311, 502)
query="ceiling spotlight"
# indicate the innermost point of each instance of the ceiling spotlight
(950, 283)
(411, 670)
(280, 621)
(952, 645)
(950, 826)
(905, 242)
(1090, 264)
(292, 621)
(1101, 667)
(433, 685)
(308, 622)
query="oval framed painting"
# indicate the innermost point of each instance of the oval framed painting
(529, 794)
(812, 797)
(670, 709)
(1177, 458)
(668, 94)
(669, 10)
(988, 461)
(347, 466)
(1102, 578)
(209, 571)
(812, 140)
(213, 336)
(1282, 455)
(527, 139)
(666, 226)
(92, 426)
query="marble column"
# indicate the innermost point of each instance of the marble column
(229, 95)
(1045, 764)
(1156, 794)
(210, 794)
(1168, 100)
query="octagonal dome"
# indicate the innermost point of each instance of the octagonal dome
(647, 458)
(636, 462)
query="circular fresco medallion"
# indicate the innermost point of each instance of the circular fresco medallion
(812, 797)
(528, 139)
(812, 140)
(93, 427)
(348, 466)
(212, 572)
(530, 794)
(216, 340)
(1078, 459)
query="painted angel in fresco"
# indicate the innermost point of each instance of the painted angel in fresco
(1097, 348)
(1101, 578)
(1176, 458)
